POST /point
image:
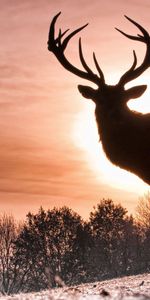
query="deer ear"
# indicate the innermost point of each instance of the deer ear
(135, 91)
(87, 92)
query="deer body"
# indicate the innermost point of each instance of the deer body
(120, 129)
(124, 134)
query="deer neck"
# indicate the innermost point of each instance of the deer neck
(111, 123)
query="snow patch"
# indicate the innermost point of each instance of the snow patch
(126, 288)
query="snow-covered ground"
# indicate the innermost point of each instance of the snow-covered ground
(126, 288)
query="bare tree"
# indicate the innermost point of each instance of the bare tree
(143, 211)
(125, 134)
(9, 230)
(7, 235)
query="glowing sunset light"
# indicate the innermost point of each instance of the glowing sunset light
(85, 136)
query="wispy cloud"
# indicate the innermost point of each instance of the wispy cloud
(39, 100)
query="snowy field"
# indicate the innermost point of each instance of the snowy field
(126, 288)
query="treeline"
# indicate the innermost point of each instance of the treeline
(57, 247)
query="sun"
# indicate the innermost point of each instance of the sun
(85, 136)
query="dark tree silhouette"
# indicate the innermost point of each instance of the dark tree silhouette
(143, 219)
(55, 247)
(108, 224)
(50, 247)
(125, 134)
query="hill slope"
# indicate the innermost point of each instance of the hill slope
(126, 288)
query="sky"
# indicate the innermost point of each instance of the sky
(50, 153)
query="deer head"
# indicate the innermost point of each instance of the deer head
(125, 135)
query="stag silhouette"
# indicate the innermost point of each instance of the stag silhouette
(124, 134)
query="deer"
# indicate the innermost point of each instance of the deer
(124, 133)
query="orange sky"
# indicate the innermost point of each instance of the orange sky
(49, 150)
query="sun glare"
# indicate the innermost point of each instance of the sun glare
(86, 137)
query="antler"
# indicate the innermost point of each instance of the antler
(57, 47)
(134, 72)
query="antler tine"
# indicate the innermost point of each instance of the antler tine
(101, 74)
(84, 64)
(58, 40)
(124, 78)
(134, 62)
(57, 47)
(139, 37)
(134, 72)
(86, 67)
(51, 36)
(68, 38)
(145, 33)
(132, 37)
